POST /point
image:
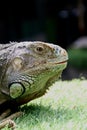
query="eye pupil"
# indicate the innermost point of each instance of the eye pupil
(40, 49)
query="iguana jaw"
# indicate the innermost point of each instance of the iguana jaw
(31, 82)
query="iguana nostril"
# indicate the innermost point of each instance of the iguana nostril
(16, 89)
(63, 52)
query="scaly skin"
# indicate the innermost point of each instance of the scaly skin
(27, 70)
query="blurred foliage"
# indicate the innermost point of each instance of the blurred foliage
(78, 58)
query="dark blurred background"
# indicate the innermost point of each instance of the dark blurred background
(60, 22)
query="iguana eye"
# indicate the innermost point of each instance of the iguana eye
(40, 49)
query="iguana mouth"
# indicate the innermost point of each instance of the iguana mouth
(62, 62)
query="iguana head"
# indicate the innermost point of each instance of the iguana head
(30, 68)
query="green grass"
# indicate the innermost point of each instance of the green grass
(64, 107)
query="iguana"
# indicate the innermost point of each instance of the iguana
(27, 70)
